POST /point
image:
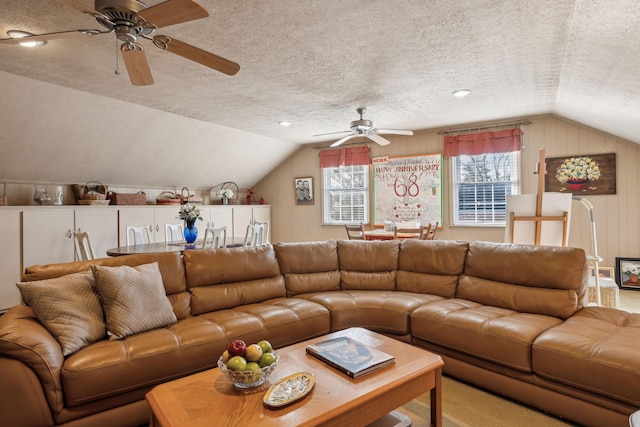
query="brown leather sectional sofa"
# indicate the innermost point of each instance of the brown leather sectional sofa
(509, 318)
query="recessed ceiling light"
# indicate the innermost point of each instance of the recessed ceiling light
(461, 93)
(15, 34)
(284, 123)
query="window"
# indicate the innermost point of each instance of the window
(481, 184)
(346, 194)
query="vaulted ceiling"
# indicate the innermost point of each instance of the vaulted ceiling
(314, 62)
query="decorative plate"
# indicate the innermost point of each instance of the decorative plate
(289, 389)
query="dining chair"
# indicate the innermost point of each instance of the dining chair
(215, 238)
(173, 233)
(265, 236)
(354, 231)
(428, 232)
(139, 232)
(254, 236)
(414, 230)
(84, 249)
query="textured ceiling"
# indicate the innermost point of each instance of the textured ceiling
(312, 62)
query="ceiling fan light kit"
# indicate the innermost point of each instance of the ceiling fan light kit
(17, 34)
(131, 20)
(365, 129)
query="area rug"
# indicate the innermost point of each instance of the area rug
(464, 405)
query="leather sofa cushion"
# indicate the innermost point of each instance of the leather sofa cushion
(282, 321)
(219, 297)
(110, 368)
(496, 334)
(384, 311)
(216, 266)
(513, 275)
(430, 266)
(368, 265)
(597, 350)
(309, 266)
(225, 278)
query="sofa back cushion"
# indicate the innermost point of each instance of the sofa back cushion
(430, 266)
(309, 266)
(169, 263)
(368, 264)
(550, 280)
(227, 278)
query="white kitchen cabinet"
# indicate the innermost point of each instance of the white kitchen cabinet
(47, 235)
(242, 217)
(219, 216)
(156, 217)
(102, 226)
(10, 265)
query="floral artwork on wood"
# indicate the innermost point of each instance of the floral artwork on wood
(582, 174)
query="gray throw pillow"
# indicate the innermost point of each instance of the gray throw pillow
(133, 299)
(68, 307)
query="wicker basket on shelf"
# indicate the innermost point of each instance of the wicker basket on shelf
(91, 193)
(168, 198)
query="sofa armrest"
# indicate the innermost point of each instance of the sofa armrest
(24, 338)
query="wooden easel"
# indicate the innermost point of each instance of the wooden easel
(541, 170)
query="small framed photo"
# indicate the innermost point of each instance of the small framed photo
(606, 272)
(627, 272)
(303, 190)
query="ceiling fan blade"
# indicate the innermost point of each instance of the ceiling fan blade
(343, 140)
(51, 36)
(378, 139)
(173, 12)
(393, 132)
(82, 8)
(332, 133)
(198, 55)
(137, 66)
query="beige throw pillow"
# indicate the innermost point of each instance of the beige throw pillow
(133, 299)
(68, 307)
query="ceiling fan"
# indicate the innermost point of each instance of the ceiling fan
(132, 20)
(365, 128)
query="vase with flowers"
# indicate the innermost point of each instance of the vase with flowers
(226, 194)
(577, 172)
(190, 213)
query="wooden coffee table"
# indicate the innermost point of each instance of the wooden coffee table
(209, 398)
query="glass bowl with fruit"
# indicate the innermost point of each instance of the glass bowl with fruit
(248, 366)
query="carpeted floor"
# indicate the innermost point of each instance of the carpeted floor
(464, 405)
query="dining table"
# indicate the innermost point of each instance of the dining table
(382, 234)
(146, 248)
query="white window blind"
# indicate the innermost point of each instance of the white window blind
(345, 194)
(481, 184)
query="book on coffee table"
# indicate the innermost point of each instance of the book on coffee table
(350, 356)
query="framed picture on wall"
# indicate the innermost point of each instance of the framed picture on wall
(627, 272)
(606, 272)
(581, 174)
(303, 190)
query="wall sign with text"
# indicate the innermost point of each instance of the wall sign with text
(408, 189)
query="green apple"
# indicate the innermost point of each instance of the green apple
(253, 353)
(267, 359)
(265, 346)
(237, 363)
(252, 366)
